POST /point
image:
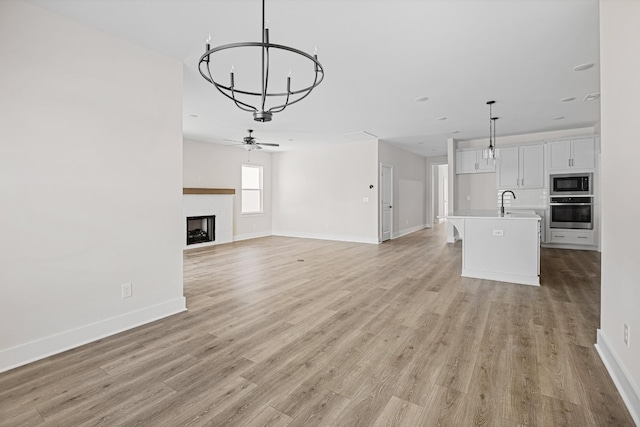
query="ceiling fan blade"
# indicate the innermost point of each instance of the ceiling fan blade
(232, 140)
(268, 143)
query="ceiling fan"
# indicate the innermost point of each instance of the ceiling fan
(251, 143)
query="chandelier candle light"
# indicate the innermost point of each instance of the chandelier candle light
(491, 152)
(282, 99)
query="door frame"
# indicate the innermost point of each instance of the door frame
(380, 198)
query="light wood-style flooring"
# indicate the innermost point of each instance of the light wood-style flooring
(285, 331)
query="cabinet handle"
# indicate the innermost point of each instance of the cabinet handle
(582, 237)
(557, 235)
(522, 182)
(477, 166)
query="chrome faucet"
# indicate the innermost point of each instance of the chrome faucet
(502, 206)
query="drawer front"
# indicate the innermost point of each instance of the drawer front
(572, 237)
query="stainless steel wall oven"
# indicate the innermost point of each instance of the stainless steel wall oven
(571, 212)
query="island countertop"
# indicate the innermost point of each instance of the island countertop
(494, 214)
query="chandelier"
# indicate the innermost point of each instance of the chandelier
(491, 152)
(257, 102)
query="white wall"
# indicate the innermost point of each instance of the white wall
(318, 192)
(620, 86)
(409, 187)
(91, 173)
(481, 188)
(216, 166)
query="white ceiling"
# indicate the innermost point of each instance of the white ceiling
(378, 57)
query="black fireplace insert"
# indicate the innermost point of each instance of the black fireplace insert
(201, 229)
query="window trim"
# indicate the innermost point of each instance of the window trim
(260, 189)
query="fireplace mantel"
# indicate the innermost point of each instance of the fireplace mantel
(208, 191)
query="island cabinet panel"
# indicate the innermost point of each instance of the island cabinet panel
(502, 247)
(572, 154)
(505, 246)
(521, 167)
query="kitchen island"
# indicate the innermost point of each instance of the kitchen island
(495, 246)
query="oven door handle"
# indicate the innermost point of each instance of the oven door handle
(571, 204)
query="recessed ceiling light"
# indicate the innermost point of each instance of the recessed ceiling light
(421, 98)
(582, 67)
(592, 97)
(558, 118)
(441, 118)
(195, 116)
(568, 99)
(455, 131)
(420, 143)
(290, 140)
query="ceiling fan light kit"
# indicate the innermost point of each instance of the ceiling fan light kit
(250, 142)
(261, 112)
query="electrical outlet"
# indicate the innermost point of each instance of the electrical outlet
(127, 290)
(626, 335)
(468, 198)
(498, 233)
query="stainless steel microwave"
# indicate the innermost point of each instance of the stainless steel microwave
(571, 184)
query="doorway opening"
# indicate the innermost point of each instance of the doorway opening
(440, 203)
(386, 200)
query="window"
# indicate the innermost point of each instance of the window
(251, 189)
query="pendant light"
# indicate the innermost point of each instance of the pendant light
(491, 151)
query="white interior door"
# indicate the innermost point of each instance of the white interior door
(445, 192)
(386, 200)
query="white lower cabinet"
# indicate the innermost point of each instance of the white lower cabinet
(572, 237)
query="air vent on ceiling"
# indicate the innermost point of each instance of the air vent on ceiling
(359, 136)
(592, 97)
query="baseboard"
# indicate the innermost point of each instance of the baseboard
(39, 349)
(408, 231)
(248, 236)
(621, 379)
(501, 277)
(566, 246)
(336, 237)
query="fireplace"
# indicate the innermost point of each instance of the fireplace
(201, 229)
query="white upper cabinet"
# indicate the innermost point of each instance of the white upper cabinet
(583, 153)
(521, 167)
(532, 166)
(509, 167)
(466, 161)
(571, 154)
(471, 161)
